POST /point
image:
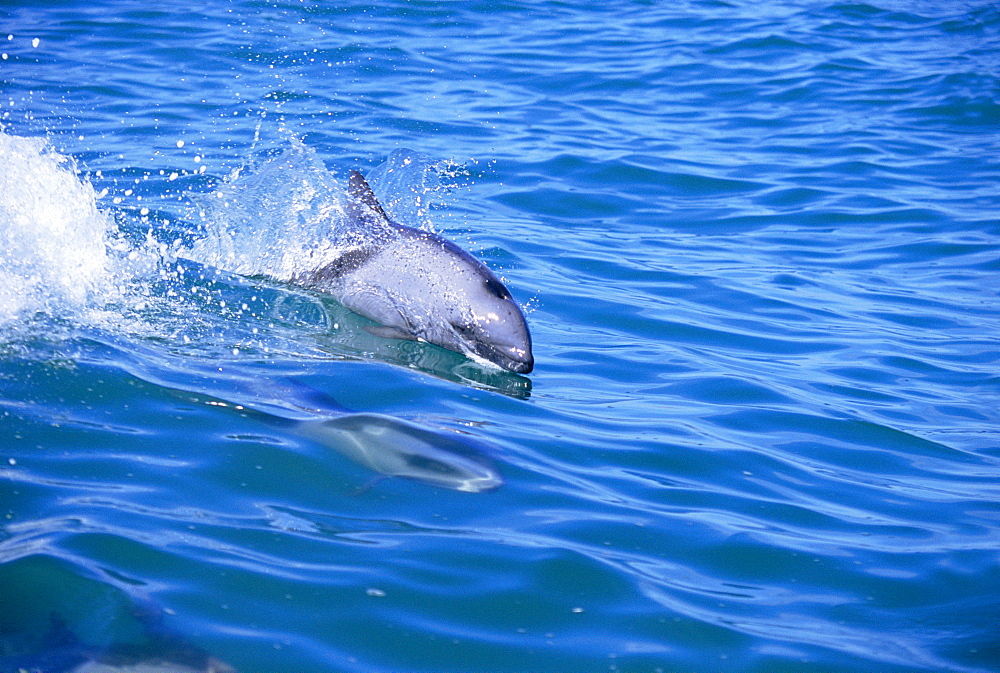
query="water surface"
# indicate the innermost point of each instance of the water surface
(757, 246)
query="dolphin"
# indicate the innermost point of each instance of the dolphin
(418, 285)
(61, 652)
(57, 618)
(76, 657)
(171, 663)
(388, 445)
(396, 448)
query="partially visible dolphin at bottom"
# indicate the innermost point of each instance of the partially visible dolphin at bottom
(55, 617)
(77, 658)
(153, 664)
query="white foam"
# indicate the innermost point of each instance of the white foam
(53, 253)
(281, 218)
(61, 255)
(286, 215)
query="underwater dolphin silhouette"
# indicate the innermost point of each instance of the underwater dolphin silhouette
(396, 448)
(60, 652)
(419, 285)
(390, 446)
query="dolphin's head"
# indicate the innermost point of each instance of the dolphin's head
(491, 324)
(450, 298)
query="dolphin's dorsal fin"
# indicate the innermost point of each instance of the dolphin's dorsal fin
(361, 201)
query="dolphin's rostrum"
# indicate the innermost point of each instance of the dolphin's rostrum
(418, 285)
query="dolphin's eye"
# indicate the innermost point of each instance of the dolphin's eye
(497, 288)
(463, 330)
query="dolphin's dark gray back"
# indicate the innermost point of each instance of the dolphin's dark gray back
(361, 197)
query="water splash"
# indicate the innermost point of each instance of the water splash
(61, 255)
(66, 260)
(287, 214)
(272, 220)
(54, 240)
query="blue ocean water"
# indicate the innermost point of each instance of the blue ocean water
(757, 245)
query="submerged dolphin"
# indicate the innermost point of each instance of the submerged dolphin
(390, 446)
(418, 285)
(153, 664)
(60, 652)
(400, 449)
